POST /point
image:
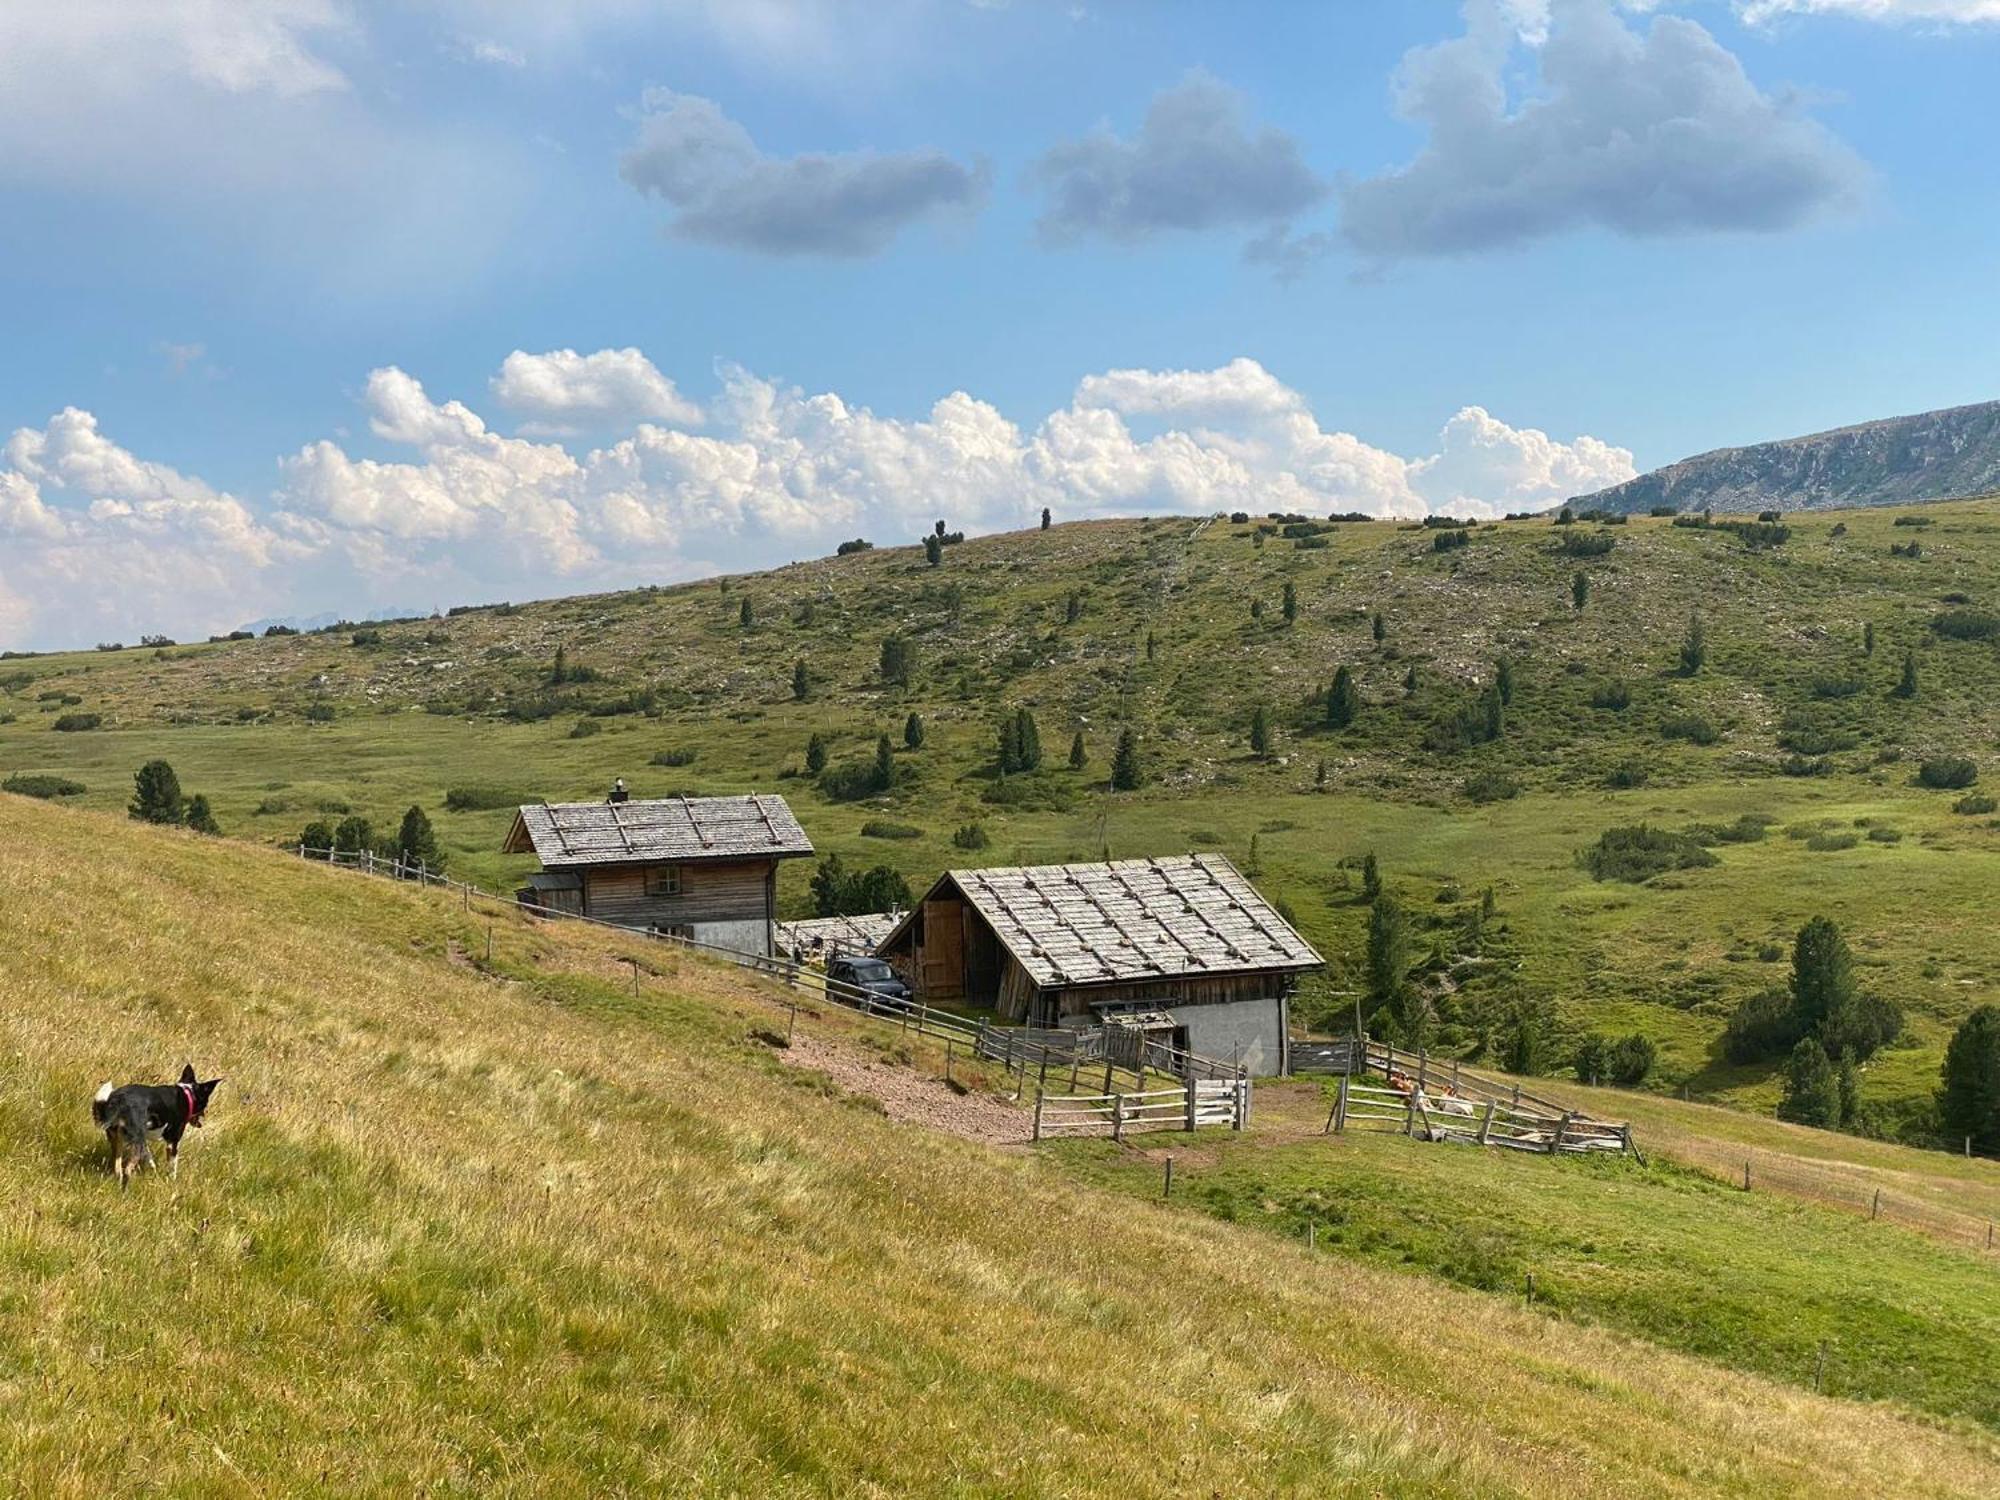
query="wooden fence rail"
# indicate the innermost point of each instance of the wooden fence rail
(1435, 1117)
(1195, 1103)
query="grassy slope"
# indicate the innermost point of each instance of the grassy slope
(520, 1232)
(1670, 959)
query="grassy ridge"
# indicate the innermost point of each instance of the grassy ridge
(517, 1231)
(423, 708)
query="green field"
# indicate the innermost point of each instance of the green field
(422, 707)
(507, 1227)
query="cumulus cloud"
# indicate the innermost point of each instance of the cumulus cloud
(1963, 12)
(563, 392)
(109, 542)
(1652, 133)
(725, 191)
(1194, 165)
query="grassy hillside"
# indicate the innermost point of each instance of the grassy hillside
(1791, 720)
(509, 1228)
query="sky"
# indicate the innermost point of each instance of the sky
(337, 307)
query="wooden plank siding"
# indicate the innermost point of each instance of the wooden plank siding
(711, 891)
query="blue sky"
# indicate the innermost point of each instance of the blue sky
(328, 305)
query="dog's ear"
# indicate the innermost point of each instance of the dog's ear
(187, 1074)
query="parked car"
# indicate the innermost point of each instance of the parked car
(870, 974)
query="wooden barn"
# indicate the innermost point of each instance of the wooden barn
(704, 868)
(1182, 946)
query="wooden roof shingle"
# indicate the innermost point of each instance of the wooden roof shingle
(854, 933)
(1131, 919)
(657, 830)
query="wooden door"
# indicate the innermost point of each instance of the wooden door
(943, 976)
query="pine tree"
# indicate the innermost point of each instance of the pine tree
(933, 550)
(316, 838)
(1291, 604)
(1410, 679)
(831, 887)
(1969, 1095)
(1045, 518)
(1907, 688)
(1868, 639)
(1073, 609)
(156, 794)
(1811, 1087)
(1567, 517)
(1030, 740)
(1503, 679)
(1256, 609)
(746, 613)
(559, 673)
(1694, 648)
(1822, 975)
(1152, 645)
(1260, 731)
(938, 531)
(885, 764)
(1371, 877)
(1010, 744)
(898, 660)
(200, 818)
(1492, 713)
(1579, 588)
(416, 843)
(1343, 699)
(913, 732)
(354, 835)
(1078, 756)
(1319, 774)
(1379, 627)
(801, 681)
(1388, 960)
(1126, 773)
(815, 755)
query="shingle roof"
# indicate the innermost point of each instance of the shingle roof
(858, 932)
(566, 834)
(1131, 919)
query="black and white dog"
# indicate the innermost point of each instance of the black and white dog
(129, 1116)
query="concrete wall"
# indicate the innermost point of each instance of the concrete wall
(745, 935)
(1248, 1031)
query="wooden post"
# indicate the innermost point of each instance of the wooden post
(1167, 1185)
(1107, 1069)
(1819, 1367)
(1038, 1117)
(1193, 1102)
(1874, 1210)
(1968, 1146)
(1423, 1063)
(1486, 1125)
(1312, 1235)
(1042, 1082)
(1562, 1128)
(635, 974)
(1454, 1074)
(947, 1056)
(1746, 1174)
(1531, 1288)
(1410, 1113)
(1075, 1063)
(792, 1023)
(1242, 1104)
(489, 940)
(1117, 1117)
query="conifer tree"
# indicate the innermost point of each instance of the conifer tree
(801, 681)
(1811, 1087)
(1969, 1092)
(1907, 687)
(1868, 639)
(746, 613)
(1291, 604)
(416, 843)
(200, 817)
(1078, 756)
(1579, 588)
(1045, 518)
(885, 764)
(815, 755)
(913, 732)
(1694, 648)
(1379, 627)
(1371, 877)
(1343, 699)
(1260, 731)
(156, 794)
(1126, 772)
(934, 550)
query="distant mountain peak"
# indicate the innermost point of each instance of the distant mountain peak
(1935, 455)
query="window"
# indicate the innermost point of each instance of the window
(663, 880)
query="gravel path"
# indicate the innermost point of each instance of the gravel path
(909, 1096)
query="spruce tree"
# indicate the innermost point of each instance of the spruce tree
(746, 613)
(1379, 627)
(1868, 639)
(1371, 877)
(1969, 1095)
(1579, 588)
(1045, 518)
(1694, 648)
(801, 681)
(1010, 744)
(1503, 679)
(200, 817)
(1260, 731)
(1907, 687)
(1822, 976)
(913, 732)
(815, 755)
(1811, 1087)
(559, 673)
(156, 794)
(1029, 739)
(416, 843)
(1152, 645)
(832, 887)
(1126, 772)
(354, 835)
(1388, 960)
(898, 660)
(885, 764)
(933, 550)
(1410, 679)
(1343, 699)
(1073, 608)
(1291, 604)
(1078, 756)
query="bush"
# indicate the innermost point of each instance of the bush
(1836, 687)
(677, 757)
(883, 828)
(1491, 786)
(1627, 775)
(1690, 727)
(1614, 696)
(1832, 843)
(156, 794)
(77, 723)
(485, 798)
(316, 838)
(971, 836)
(319, 713)
(850, 782)
(1763, 1026)
(1949, 773)
(1966, 625)
(583, 729)
(1630, 1059)
(23, 784)
(1804, 765)
(1638, 853)
(1976, 804)
(859, 544)
(1587, 543)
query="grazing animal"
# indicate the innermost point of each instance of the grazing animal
(131, 1115)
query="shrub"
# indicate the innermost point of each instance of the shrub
(1807, 735)
(1804, 765)
(883, 828)
(319, 713)
(1911, 521)
(971, 836)
(583, 729)
(1832, 843)
(23, 784)
(76, 723)
(201, 817)
(156, 794)
(1613, 696)
(1811, 1087)
(1761, 1027)
(1587, 543)
(485, 798)
(1693, 728)
(1966, 625)
(1627, 775)
(1885, 836)
(1630, 1059)
(1638, 853)
(1491, 786)
(316, 838)
(1976, 804)
(675, 757)
(1948, 773)
(1836, 687)
(353, 834)
(898, 660)
(859, 544)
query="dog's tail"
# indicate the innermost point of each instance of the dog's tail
(100, 1106)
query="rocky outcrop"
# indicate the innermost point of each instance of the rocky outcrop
(1936, 455)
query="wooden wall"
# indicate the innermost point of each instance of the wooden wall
(719, 891)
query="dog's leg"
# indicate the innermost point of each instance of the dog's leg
(173, 1161)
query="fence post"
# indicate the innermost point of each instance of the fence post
(1042, 1080)
(1746, 1174)
(1562, 1127)
(1107, 1070)
(947, 1050)
(1486, 1125)
(1875, 1208)
(1423, 1063)
(1193, 1103)
(1819, 1367)
(1167, 1187)
(1117, 1117)
(1075, 1063)
(1410, 1113)
(1242, 1103)
(489, 940)
(1038, 1115)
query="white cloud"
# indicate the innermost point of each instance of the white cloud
(1963, 12)
(112, 544)
(727, 192)
(563, 391)
(1657, 133)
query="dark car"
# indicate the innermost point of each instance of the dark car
(869, 974)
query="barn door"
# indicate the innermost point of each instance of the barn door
(943, 975)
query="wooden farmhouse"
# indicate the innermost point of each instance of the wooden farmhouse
(704, 868)
(1182, 946)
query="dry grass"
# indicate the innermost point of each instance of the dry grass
(524, 1233)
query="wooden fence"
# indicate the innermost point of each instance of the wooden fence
(1440, 1117)
(1195, 1103)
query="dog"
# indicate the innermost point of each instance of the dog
(130, 1116)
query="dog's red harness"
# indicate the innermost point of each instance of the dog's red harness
(193, 1118)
